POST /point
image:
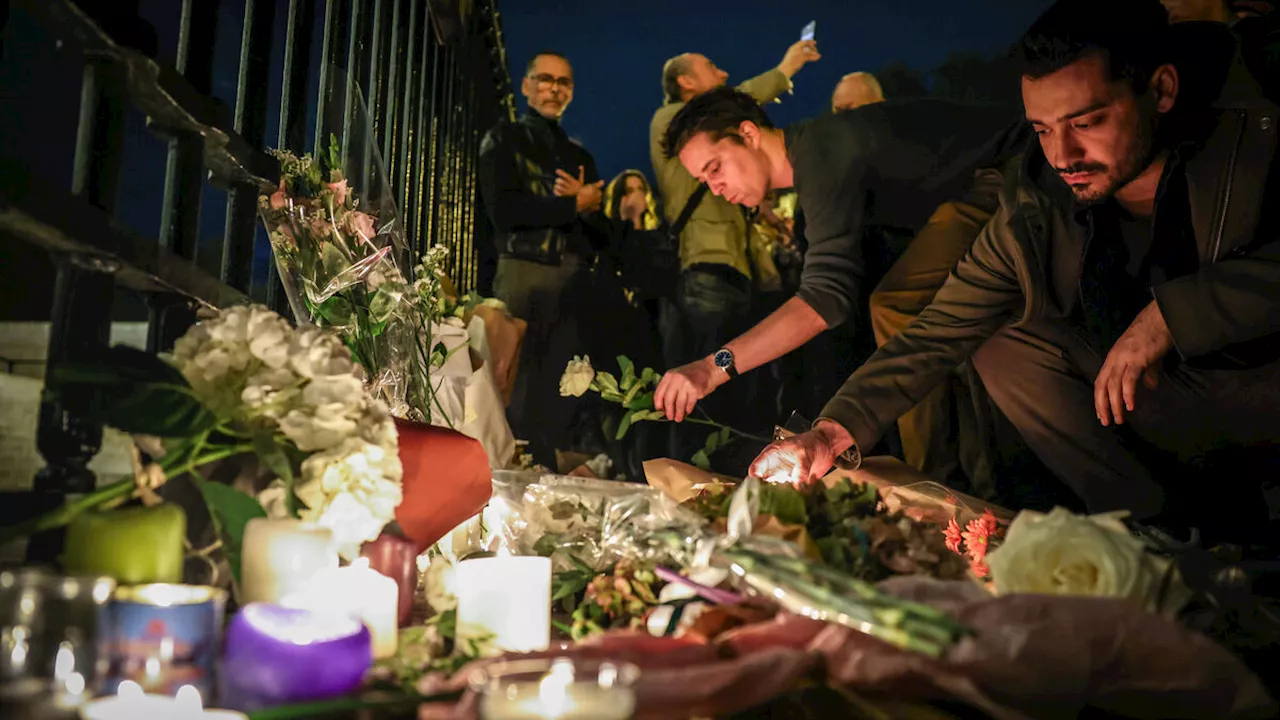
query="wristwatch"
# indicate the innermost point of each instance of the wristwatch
(724, 360)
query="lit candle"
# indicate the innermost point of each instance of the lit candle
(135, 545)
(276, 655)
(504, 603)
(559, 695)
(360, 592)
(130, 703)
(280, 556)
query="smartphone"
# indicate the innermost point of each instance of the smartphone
(808, 31)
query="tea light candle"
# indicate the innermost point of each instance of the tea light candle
(280, 556)
(130, 703)
(505, 602)
(360, 592)
(558, 697)
(276, 655)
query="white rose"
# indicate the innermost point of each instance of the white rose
(577, 378)
(440, 583)
(1067, 554)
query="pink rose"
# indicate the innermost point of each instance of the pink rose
(339, 190)
(278, 198)
(361, 224)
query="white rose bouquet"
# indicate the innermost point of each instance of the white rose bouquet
(1062, 553)
(245, 383)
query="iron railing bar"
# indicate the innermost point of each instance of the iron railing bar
(422, 200)
(333, 31)
(390, 125)
(352, 67)
(411, 127)
(251, 123)
(428, 186)
(297, 68)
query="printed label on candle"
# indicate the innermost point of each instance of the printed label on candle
(164, 636)
(505, 603)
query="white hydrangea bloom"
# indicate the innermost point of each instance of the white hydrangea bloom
(352, 489)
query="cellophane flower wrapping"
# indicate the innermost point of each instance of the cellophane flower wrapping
(342, 255)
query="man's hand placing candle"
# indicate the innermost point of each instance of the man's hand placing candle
(803, 458)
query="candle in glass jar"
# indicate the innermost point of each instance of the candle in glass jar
(130, 703)
(504, 603)
(359, 592)
(559, 695)
(279, 557)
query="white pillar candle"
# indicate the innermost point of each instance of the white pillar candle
(280, 556)
(506, 602)
(360, 592)
(130, 703)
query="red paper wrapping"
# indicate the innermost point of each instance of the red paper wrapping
(446, 480)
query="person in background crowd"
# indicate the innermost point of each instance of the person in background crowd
(926, 165)
(1123, 305)
(628, 199)
(712, 300)
(543, 195)
(855, 90)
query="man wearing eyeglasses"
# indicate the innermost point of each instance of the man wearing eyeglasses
(542, 193)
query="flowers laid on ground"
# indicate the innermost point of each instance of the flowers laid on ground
(633, 391)
(337, 259)
(974, 541)
(1061, 553)
(244, 383)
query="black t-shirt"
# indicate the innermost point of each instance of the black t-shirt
(1125, 260)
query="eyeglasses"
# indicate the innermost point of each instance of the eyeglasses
(545, 81)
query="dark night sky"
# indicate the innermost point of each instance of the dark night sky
(618, 49)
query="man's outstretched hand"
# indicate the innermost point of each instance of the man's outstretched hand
(680, 389)
(1137, 354)
(798, 55)
(803, 458)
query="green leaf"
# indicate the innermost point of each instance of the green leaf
(626, 424)
(701, 460)
(134, 392)
(608, 383)
(628, 369)
(649, 375)
(546, 545)
(713, 442)
(274, 457)
(653, 415)
(643, 401)
(231, 510)
(726, 434)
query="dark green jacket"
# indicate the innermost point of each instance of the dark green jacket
(1026, 264)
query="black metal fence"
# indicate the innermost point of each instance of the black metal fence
(431, 73)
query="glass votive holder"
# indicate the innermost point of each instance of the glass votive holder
(556, 689)
(51, 628)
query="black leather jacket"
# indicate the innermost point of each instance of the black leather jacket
(517, 172)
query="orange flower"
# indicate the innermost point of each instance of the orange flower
(953, 535)
(979, 568)
(977, 535)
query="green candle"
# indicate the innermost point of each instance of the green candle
(133, 545)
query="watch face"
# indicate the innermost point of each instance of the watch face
(724, 359)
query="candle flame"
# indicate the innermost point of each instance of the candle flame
(187, 701)
(65, 662)
(553, 689)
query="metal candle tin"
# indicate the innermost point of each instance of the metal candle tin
(165, 636)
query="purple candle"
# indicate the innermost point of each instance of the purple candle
(276, 655)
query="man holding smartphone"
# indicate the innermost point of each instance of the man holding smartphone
(713, 297)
